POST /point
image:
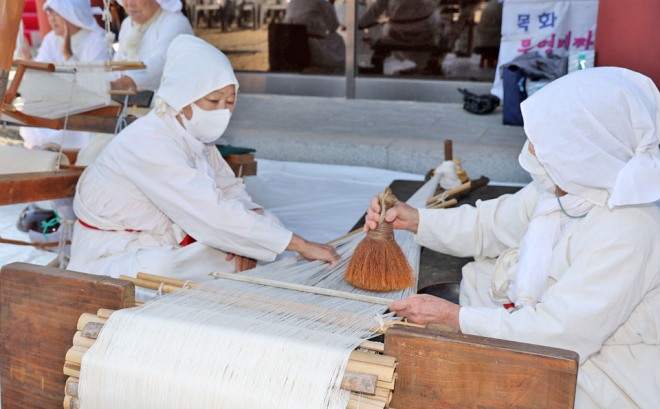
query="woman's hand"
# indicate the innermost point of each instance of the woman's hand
(313, 251)
(402, 216)
(123, 82)
(242, 263)
(66, 44)
(424, 308)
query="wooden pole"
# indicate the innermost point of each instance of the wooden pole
(449, 154)
(10, 19)
(302, 288)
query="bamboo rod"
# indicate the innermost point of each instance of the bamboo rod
(87, 318)
(387, 385)
(82, 342)
(443, 205)
(373, 346)
(302, 288)
(375, 359)
(74, 167)
(71, 369)
(104, 313)
(122, 92)
(359, 382)
(71, 402)
(166, 280)
(357, 401)
(25, 243)
(75, 354)
(71, 387)
(384, 373)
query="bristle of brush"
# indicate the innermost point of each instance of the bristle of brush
(379, 265)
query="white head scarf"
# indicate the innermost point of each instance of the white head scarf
(596, 134)
(80, 13)
(194, 69)
(167, 5)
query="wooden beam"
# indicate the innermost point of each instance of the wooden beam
(39, 312)
(450, 370)
(95, 123)
(34, 187)
(141, 98)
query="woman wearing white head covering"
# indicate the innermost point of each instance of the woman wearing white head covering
(570, 261)
(145, 36)
(76, 36)
(161, 182)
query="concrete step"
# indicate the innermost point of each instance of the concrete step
(402, 136)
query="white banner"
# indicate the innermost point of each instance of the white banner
(545, 26)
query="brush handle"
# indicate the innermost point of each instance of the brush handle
(387, 201)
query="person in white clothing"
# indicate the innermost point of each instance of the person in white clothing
(326, 47)
(571, 260)
(160, 199)
(145, 36)
(76, 36)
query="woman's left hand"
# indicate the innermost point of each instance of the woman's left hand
(424, 308)
(242, 263)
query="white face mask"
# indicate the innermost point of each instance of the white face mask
(207, 126)
(532, 165)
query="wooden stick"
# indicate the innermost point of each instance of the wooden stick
(25, 243)
(384, 373)
(166, 280)
(363, 402)
(34, 65)
(376, 359)
(449, 155)
(75, 354)
(302, 288)
(443, 205)
(122, 92)
(104, 313)
(74, 167)
(451, 192)
(151, 285)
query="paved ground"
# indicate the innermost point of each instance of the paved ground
(404, 136)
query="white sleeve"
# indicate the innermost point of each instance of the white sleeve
(48, 51)
(232, 187)
(486, 230)
(190, 198)
(168, 30)
(611, 269)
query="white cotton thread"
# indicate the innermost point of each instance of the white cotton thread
(160, 289)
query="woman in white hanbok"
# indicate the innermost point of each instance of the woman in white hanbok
(570, 261)
(161, 200)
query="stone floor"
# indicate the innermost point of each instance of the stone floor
(403, 136)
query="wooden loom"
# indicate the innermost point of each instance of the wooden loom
(41, 309)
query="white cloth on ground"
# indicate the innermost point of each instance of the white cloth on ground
(326, 47)
(596, 134)
(87, 46)
(153, 47)
(603, 290)
(77, 12)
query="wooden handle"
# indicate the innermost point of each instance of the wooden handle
(35, 65)
(449, 193)
(449, 154)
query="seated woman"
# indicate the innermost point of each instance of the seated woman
(160, 199)
(76, 36)
(326, 47)
(570, 261)
(145, 35)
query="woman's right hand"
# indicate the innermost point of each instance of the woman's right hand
(402, 216)
(311, 251)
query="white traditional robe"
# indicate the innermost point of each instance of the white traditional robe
(86, 46)
(146, 180)
(326, 47)
(603, 299)
(153, 47)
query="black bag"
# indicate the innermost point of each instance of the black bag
(479, 104)
(288, 49)
(513, 80)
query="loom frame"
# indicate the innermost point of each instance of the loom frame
(40, 307)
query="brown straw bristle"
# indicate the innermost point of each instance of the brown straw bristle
(378, 263)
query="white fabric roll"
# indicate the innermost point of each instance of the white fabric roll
(17, 159)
